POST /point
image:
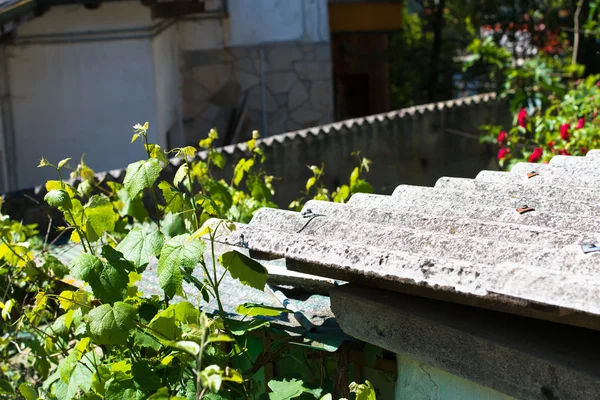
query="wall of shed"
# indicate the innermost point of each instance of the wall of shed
(418, 381)
(168, 87)
(80, 79)
(412, 146)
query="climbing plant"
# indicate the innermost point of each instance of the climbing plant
(86, 330)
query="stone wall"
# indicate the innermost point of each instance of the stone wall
(274, 88)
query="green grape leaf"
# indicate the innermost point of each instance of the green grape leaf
(51, 185)
(53, 264)
(156, 152)
(176, 253)
(253, 310)
(239, 328)
(363, 391)
(77, 374)
(111, 324)
(185, 312)
(180, 175)
(100, 217)
(140, 245)
(85, 266)
(123, 390)
(6, 387)
(108, 281)
(217, 159)
(165, 324)
(174, 198)
(28, 391)
(144, 340)
(59, 198)
(240, 169)
(141, 175)
(285, 390)
(361, 186)
(245, 269)
(132, 206)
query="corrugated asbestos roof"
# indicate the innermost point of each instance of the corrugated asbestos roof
(342, 127)
(521, 242)
(306, 294)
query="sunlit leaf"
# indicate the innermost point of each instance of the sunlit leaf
(111, 324)
(177, 253)
(245, 269)
(140, 245)
(141, 175)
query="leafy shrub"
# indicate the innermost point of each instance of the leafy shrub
(105, 340)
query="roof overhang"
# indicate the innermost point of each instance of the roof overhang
(15, 13)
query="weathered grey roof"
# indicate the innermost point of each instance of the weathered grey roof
(467, 241)
(342, 127)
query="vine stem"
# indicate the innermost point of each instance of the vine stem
(216, 281)
(189, 176)
(576, 31)
(146, 146)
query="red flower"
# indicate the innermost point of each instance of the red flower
(583, 150)
(564, 152)
(564, 132)
(503, 153)
(580, 123)
(502, 136)
(522, 117)
(536, 155)
(550, 145)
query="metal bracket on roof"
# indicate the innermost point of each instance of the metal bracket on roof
(532, 174)
(524, 209)
(589, 247)
(308, 213)
(241, 243)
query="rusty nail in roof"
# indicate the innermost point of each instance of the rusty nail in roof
(524, 209)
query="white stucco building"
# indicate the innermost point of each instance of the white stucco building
(76, 78)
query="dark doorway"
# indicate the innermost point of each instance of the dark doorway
(352, 96)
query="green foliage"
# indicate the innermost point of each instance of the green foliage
(140, 245)
(245, 269)
(104, 339)
(555, 111)
(178, 253)
(317, 191)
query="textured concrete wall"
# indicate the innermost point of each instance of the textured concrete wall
(282, 87)
(417, 145)
(417, 381)
(67, 89)
(168, 87)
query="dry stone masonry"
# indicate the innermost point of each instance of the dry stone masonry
(521, 242)
(290, 82)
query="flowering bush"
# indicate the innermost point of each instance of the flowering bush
(569, 125)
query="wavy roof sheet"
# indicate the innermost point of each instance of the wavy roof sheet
(521, 242)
